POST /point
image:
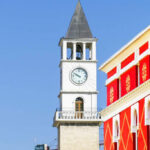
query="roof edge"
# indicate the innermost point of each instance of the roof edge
(123, 48)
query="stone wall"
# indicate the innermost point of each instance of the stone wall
(78, 137)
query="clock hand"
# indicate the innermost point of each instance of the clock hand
(77, 75)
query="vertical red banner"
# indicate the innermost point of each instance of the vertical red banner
(108, 143)
(142, 131)
(126, 141)
(144, 69)
(112, 92)
(129, 80)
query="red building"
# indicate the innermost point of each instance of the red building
(127, 115)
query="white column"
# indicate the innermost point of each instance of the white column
(93, 51)
(84, 51)
(74, 51)
(90, 54)
(64, 50)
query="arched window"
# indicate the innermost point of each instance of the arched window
(134, 117)
(135, 124)
(148, 111)
(135, 121)
(79, 104)
(79, 107)
(116, 131)
(135, 135)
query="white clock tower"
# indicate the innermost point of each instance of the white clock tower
(78, 119)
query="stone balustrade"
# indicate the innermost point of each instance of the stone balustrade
(77, 115)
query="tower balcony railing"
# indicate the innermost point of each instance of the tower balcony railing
(77, 116)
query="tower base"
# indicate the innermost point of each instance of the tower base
(78, 137)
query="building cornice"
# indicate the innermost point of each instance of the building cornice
(126, 101)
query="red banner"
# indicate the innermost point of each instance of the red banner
(142, 132)
(112, 92)
(144, 69)
(126, 141)
(129, 80)
(108, 142)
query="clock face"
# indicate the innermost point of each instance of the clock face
(79, 76)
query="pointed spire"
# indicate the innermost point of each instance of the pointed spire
(79, 27)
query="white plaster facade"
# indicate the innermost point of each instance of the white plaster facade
(68, 101)
(69, 90)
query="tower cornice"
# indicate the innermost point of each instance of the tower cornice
(86, 40)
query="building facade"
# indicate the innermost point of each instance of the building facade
(127, 115)
(78, 119)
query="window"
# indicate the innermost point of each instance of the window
(79, 104)
(147, 110)
(116, 131)
(79, 107)
(134, 117)
(135, 134)
(135, 124)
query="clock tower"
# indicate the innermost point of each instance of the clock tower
(78, 120)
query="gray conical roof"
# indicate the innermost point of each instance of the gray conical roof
(79, 27)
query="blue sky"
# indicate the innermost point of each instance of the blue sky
(29, 57)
